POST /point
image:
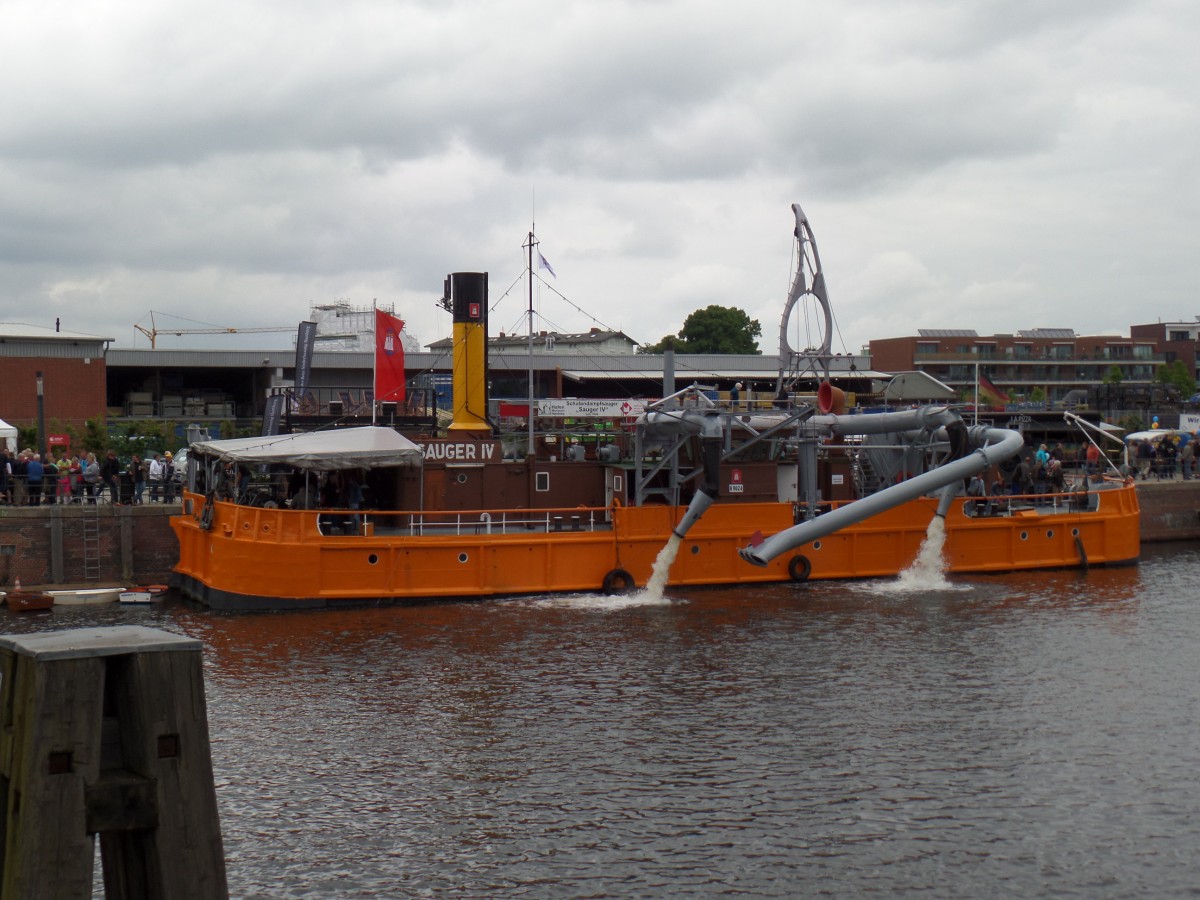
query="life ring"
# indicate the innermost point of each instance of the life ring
(799, 568)
(618, 581)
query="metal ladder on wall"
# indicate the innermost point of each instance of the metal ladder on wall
(90, 520)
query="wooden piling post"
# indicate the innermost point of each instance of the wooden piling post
(104, 731)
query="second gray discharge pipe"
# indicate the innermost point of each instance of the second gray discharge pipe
(1007, 443)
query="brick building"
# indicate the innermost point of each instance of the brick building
(1054, 359)
(1175, 340)
(73, 374)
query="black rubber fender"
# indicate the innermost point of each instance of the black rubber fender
(799, 568)
(618, 581)
(206, 515)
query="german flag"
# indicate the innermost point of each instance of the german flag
(989, 390)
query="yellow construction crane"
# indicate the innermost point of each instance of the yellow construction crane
(153, 331)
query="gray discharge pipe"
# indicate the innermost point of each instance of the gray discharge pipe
(706, 424)
(1007, 443)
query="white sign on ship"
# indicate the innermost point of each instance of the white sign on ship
(590, 409)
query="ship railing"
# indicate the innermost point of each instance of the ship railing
(367, 522)
(477, 522)
(1071, 500)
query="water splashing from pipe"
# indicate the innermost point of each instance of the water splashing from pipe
(928, 571)
(662, 567)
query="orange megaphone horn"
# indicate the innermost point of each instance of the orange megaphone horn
(831, 399)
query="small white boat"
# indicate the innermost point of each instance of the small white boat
(84, 596)
(147, 594)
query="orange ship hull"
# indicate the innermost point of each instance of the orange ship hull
(241, 557)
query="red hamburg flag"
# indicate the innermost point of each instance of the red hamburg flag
(389, 358)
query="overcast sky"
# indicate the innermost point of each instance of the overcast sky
(990, 165)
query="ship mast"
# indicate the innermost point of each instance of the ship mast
(529, 450)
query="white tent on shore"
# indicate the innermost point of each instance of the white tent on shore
(8, 436)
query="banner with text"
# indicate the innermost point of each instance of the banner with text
(272, 415)
(305, 338)
(590, 409)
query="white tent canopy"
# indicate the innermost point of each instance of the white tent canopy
(906, 387)
(8, 436)
(370, 447)
(1156, 435)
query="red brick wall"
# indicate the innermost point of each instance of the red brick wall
(893, 354)
(73, 390)
(26, 551)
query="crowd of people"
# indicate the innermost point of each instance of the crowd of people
(1054, 470)
(58, 478)
(1169, 457)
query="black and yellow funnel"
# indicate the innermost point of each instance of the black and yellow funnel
(466, 296)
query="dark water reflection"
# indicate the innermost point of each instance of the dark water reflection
(1013, 736)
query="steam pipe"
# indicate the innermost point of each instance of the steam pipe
(927, 417)
(706, 423)
(1008, 443)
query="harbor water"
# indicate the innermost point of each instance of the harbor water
(1017, 735)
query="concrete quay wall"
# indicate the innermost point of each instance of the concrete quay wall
(47, 545)
(1170, 510)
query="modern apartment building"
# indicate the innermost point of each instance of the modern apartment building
(1055, 360)
(1175, 340)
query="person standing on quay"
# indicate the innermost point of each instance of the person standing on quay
(155, 475)
(137, 472)
(62, 493)
(17, 480)
(91, 477)
(33, 479)
(168, 478)
(110, 470)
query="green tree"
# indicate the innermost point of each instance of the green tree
(714, 329)
(667, 342)
(1177, 373)
(1132, 423)
(27, 437)
(141, 436)
(1113, 375)
(95, 436)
